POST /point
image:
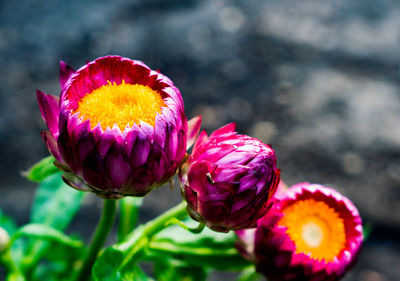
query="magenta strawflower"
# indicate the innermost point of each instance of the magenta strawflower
(312, 233)
(117, 129)
(228, 179)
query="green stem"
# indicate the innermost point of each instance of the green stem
(103, 228)
(129, 209)
(141, 236)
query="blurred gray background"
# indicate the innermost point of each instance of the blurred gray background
(319, 80)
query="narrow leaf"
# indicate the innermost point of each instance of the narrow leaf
(55, 203)
(249, 274)
(208, 249)
(44, 232)
(167, 272)
(137, 274)
(41, 170)
(367, 230)
(107, 266)
(7, 223)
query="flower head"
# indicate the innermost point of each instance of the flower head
(117, 129)
(312, 233)
(228, 179)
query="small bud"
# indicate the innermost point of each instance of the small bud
(4, 239)
(228, 180)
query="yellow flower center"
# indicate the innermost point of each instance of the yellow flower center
(315, 228)
(122, 104)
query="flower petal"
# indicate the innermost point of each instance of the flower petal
(51, 144)
(194, 125)
(75, 182)
(117, 166)
(65, 73)
(50, 110)
(229, 128)
(157, 162)
(200, 140)
(140, 151)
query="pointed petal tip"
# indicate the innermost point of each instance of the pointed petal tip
(194, 125)
(51, 144)
(228, 128)
(40, 94)
(65, 73)
(49, 108)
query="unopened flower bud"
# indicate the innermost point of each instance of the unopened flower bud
(229, 179)
(4, 239)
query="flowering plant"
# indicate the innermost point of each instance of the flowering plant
(118, 130)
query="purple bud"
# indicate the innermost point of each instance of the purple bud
(228, 179)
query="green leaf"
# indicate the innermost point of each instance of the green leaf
(166, 272)
(44, 232)
(107, 266)
(55, 203)
(136, 274)
(56, 262)
(15, 276)
(42, 169)
(249, 274)
(7, 223)
(367, 230)
(6, 257)
(118, 261)
(52, 271)
(59, 262)
(208, 249)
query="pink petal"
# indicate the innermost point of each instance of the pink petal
(50, 110)
(200, 140)
(51, 144)
(117, 166)
(140, 151)
(193, 130)
(65, 73)
(229, 128)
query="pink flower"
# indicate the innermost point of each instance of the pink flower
(228, 179)
(117, 129)
(312, 233)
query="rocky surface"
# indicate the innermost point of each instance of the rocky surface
(319, 80)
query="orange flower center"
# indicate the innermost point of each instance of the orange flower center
(315, 228)
(122, 104)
